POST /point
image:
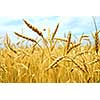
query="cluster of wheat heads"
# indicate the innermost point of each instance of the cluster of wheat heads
(59, 60)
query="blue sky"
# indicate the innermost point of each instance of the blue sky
(76, 24)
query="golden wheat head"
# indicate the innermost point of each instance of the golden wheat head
(55, 31)
(96, 42)
(68, 41)
(33, 28)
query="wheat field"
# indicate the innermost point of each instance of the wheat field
(57, 60)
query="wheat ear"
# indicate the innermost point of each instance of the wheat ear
(8, 42)
(74, 46)
(96, 42)
(33, 28)
(55, 31)
(27, 38)
(68, 41)
(96, 36)
(37, 31)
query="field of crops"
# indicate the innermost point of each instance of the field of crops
(56, 60)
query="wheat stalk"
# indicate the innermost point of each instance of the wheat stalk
(52, 47)
(94, 21)
(63, 39)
